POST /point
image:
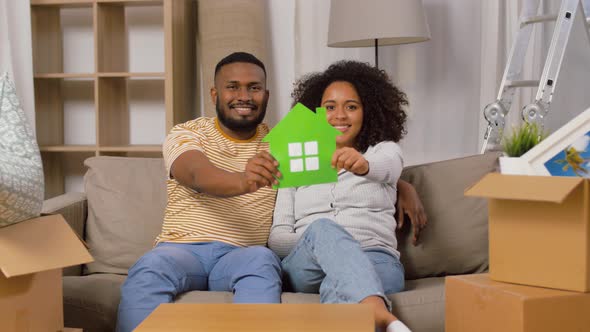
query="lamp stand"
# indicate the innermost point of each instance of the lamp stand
(376, 53)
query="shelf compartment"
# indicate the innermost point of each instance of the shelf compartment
(62, 38)
(112, 111)
(49, 114)
(64, 171)
(124, 31)
(65, 113)
(147, 115)
(131, 111)
(79, 111)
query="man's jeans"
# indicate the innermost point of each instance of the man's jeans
(329, 260)
(253, 274)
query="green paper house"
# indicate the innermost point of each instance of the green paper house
(303, 143)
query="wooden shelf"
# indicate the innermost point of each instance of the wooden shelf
(84, 3)
(158, 75)
(63, 3)
(101, 92)
(131, 148)
(132, 2)
(133, 75)
(66, 75)
(67, 148)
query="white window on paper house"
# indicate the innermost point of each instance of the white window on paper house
(303, 156)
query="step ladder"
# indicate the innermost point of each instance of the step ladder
(535, 112)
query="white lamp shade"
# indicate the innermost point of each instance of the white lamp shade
(356, 23)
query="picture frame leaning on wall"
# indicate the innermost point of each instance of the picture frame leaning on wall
(566, 152)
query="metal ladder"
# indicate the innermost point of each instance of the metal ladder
(495, 113)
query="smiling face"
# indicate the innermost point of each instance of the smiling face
(344, 110)
(240, 98)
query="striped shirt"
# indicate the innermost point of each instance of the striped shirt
(192, 216)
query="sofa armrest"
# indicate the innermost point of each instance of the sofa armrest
(74, 208)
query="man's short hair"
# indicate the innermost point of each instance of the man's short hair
(239, 57)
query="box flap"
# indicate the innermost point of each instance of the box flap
(77, 235)
(522, 187)
(40, 244)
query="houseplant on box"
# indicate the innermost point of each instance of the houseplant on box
(522, 139)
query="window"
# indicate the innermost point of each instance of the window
(303, 157)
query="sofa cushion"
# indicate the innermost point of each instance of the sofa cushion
(21, 171)
(126, 201)
(455, 241)
(91, 302)
(421, 305)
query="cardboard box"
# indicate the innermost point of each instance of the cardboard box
(32, 254)
(476, 303)
(539, 229)
(285, 317)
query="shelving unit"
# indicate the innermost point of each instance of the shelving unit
(89, 100)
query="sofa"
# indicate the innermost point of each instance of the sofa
(120, 213)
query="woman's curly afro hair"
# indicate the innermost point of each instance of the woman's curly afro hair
(383, 116)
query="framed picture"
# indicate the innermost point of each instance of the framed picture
(566, 152)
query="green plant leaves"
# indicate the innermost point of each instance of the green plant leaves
(522, 139)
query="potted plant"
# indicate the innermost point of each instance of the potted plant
(522, 139)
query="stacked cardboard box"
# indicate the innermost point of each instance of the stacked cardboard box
(539, 237)
(32, 254)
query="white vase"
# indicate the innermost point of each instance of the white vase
(512, 166)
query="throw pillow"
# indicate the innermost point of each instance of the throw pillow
(126, 202)
(21, 170)
(455, 240)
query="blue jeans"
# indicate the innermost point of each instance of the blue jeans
(253, 274)
(328, 260)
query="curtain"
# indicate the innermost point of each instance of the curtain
(16, 51)
(227, 26)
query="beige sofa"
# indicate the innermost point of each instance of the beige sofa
(121, 211)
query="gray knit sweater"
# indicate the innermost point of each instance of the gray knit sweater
(363, 205)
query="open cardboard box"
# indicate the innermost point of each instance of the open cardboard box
(32, 254)
(539, 229)
(476, 303)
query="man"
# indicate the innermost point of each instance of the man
(220, 203)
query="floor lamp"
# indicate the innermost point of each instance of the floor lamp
(366, 23)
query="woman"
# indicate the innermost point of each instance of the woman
(338, 239)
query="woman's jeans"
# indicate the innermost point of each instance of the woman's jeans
(329, 260)
(253, 274)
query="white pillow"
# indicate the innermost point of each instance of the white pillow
(21, 170)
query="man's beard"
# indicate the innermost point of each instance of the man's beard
(240, 125)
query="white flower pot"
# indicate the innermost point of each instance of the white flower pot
(512, 166)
